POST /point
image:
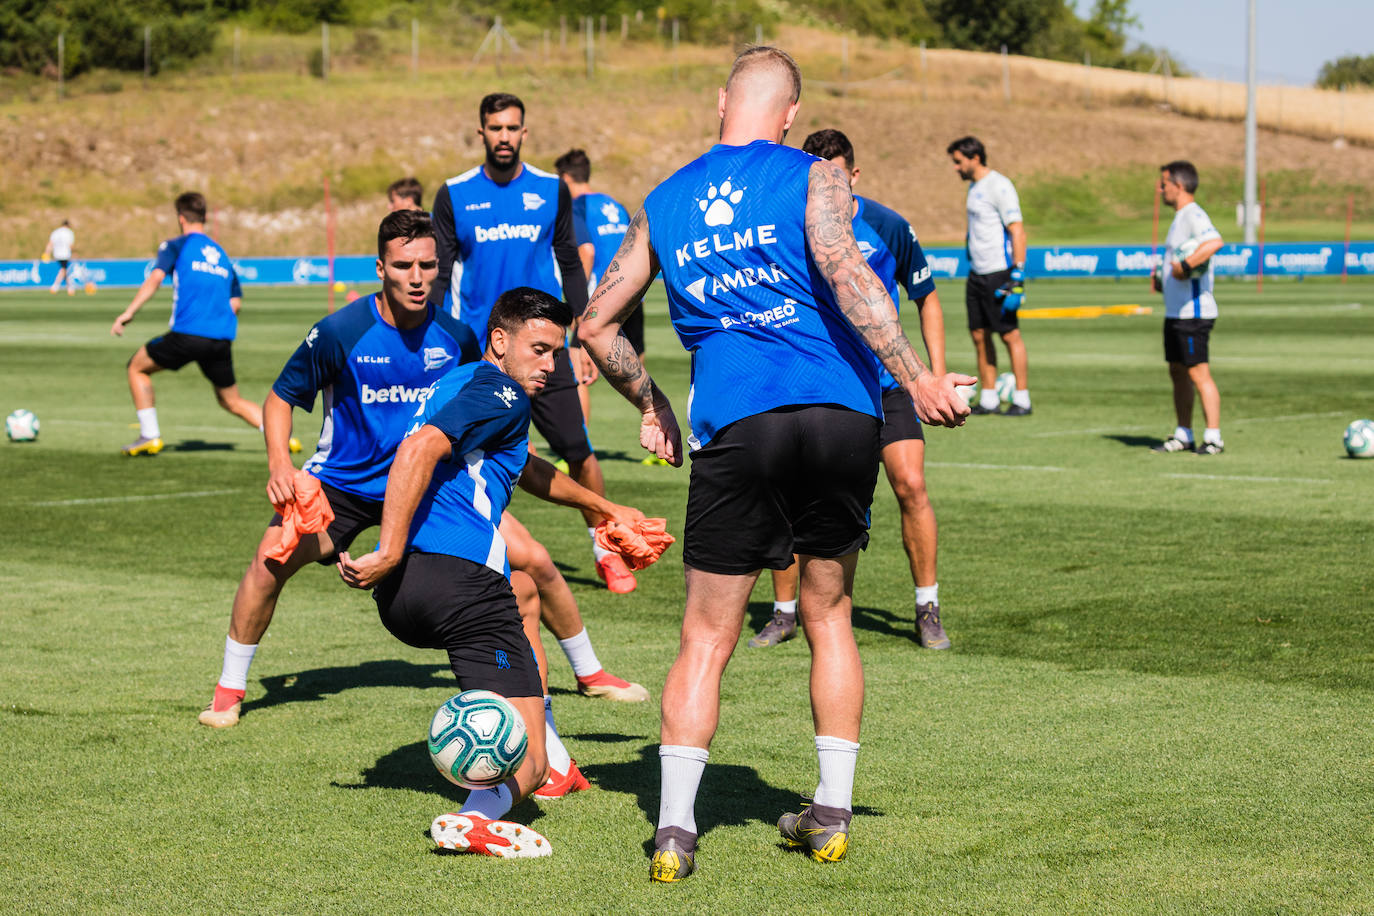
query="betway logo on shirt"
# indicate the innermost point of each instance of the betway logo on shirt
(730, 240)
(503, 231)
(395, 394)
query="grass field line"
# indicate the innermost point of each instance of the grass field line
(1241, 311)
(230, 430)
(134, 498)
(992, 467)
(1101, 430)
(1244, 479)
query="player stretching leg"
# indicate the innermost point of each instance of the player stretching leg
(505, 224)
(801, 390)
(373, 360)
(440, 570)
(205, 305)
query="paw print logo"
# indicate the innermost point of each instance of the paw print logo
(719, 203)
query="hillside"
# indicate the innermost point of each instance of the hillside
(111, 157)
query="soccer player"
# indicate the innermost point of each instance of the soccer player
(893, 251)
(440, 569)
(997, 273)
(405, 194)
(205, 305)
(505, 224)
(1190, 310)
(61, 244)
(769, 292)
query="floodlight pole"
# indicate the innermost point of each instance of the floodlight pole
(1250, 116)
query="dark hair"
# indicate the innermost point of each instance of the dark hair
(827, 144)
(516, 306)
(969, 148)
(191, 207)
(498, 101)
(407, 188)
(1183, 172)
(403, 224)
(575, 164)
(764, 55)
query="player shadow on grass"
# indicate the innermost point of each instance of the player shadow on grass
(1135, 441)
(200, 445)
(566, 569)
(872, 619)
(316, 684)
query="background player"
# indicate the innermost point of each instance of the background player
(1190, 310)
(405, 194)
(205, 305)
(785, 415)
(997, 266)
(61, 244)
(440, 569)
(506, 224)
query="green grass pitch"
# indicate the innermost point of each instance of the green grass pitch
(1158, 698)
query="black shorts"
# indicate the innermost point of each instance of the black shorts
(557, 413)
(174, 350)
(984, 306)
(1186, 339)
(634, 329)
(62, 265)
(435, 601)
(899, 419)
(792, 480)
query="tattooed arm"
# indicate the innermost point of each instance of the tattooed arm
(621, 288)
(863, 300)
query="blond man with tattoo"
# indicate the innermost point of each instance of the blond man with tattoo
(782, 316)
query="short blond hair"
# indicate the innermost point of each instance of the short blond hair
(765, 56)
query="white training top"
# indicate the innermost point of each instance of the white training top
(992, 207)
(62, 239)
(1191, 297)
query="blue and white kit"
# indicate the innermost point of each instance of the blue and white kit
(599, 220)
(203, 282)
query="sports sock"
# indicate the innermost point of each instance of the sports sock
(785, 608)
(559, 758)
(928, 594)
(237, 658)
(580, 654)
(988, 399)
(1212, 434)
(597, 550)
(147, 423)
(1183, 434)
(680, 768)
(490, 803)
(837, 759)
(1021, 397)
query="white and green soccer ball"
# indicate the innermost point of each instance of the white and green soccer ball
(477, 739)
(21, 426)
(967, 393)
(1006, 386)
(1185, 250)
(1359, 439)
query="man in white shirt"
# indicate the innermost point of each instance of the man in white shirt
(996, 245)
(59, 248)
(1190, 310)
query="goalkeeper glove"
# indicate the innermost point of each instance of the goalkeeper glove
(1013, 292)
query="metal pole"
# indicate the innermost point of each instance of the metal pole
(923, 69)
(147, 52)
(591, 64)
(235, 71)
(61, 63)
(624, 26)
(844, 58)
(1251, 170)
(324, 50)
(1088, 76)
(758, 34)
(1006, 76)
(562, 33)
(603, 30)
(414, 47)
(675, 50)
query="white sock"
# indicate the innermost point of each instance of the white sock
(490, 803)
(928, 594)
(785, 608)
(1212, 434)
(580, 654)
(988, 399)
(597, 550)
(1021, 397)
(147, 423)
(237, 658)
(1183, 434)
(837, 759)
(681, 768)
(559, 758)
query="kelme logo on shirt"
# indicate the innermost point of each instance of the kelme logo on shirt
(719, 203)
(395, 394)
(611, 212)
(211, 254)
(435, 357)
(503, 231)
(310, 338)
(506, 395)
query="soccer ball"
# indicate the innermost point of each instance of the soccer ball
(477, 739)
(1359, 439)
(1006, 385)
(1185, 251)
(21, 426)
(967, 393)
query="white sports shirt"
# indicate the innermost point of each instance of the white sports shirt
(62, 239)
(1190, 298)
(992, 206)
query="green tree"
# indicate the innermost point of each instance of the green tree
(986, 25)
(1347, 71)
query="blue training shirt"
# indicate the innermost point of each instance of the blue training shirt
(372, 376)
(599, 220)
(203, 282)
(907, 265)
(745, 296)
(486, 416)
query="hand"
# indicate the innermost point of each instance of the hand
(117, 329)
(936, 401)
(366, 571)
(1180, 270)
(584, 369)
(625, 515)
(281, 487)
(658, 432)
(1013, 292)
(1156, 282)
